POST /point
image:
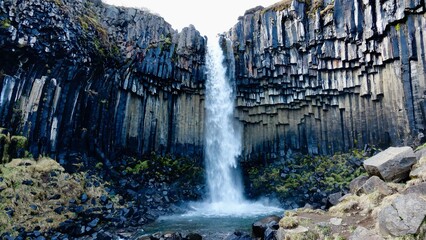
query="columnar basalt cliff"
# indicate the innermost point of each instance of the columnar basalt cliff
(318, 77)
(328, 76)
(82, 75)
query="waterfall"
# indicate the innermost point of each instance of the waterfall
(223, 142)
(222, 133)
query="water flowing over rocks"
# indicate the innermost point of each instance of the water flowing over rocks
(329, 76)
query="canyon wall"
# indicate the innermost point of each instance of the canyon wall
(89, 77)
(325, 77)
(318, 77)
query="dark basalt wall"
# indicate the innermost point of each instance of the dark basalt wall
(81, 75)
(318, 77)
(326, 77)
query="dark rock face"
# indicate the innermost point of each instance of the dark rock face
(326, 78)
(259, 227)
(81, 75)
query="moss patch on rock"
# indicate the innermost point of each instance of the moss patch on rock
(305, 175)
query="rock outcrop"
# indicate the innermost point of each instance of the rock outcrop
(85, 76)
(404, 216)
(393, 164)
(330, 75)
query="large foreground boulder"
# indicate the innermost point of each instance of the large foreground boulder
(392, 165)
(404, 216)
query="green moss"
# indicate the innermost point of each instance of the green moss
(324, 230)
(420, 147)
(20, 142)
(3, 137)
(327, 173)
(4, 143)
(99, 165)
(5, 23)
(139, 167)
(398, 27)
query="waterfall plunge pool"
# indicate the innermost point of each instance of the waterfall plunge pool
(213, 221)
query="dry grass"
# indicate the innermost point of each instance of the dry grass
(279, 6)
(289, 222)
(49, 179)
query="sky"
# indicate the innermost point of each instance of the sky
(208, 16)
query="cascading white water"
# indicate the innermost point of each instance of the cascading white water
(222, 146)
(222, 135)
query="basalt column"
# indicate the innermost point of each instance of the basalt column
(89, 77)
(330, 76)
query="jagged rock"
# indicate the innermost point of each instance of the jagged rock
(404, 216)
(375, 184)
(356, 184)
(417, 189)
(238, 236)
(363, 233)
(333, 199)
(259, 227)
(392, 164)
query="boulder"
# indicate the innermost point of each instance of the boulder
(336, 221)
(238, 236)
(333, 198)
(357, 183)
(297, 233)
(393, 164)
(269, 234)
(194, 236)
(259, 227)
(419, 189)
(404, 216)
(363, 233)
(375, 184)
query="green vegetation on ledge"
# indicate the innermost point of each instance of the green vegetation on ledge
(306, 176)
(165, 168)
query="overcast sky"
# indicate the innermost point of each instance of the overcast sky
(208, 16)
